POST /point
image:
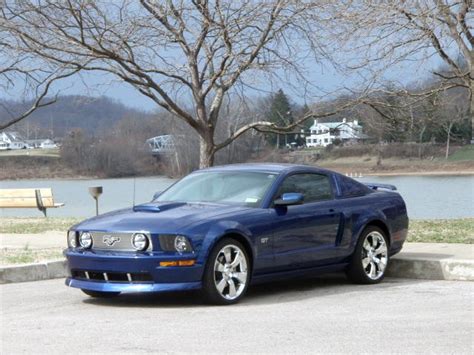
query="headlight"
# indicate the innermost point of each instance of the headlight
(85, 240)
(71, 239)
(181, 244)
(140, 241)
(177, 243)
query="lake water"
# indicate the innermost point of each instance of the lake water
(426, 196)
(433, 197)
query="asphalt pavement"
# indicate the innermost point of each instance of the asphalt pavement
(323, 315)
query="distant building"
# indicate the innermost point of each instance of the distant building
(324, 134)
(47, 144)
(13, 141)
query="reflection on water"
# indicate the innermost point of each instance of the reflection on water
(426, 196)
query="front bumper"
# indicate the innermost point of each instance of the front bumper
(131, 287)
(93, 270)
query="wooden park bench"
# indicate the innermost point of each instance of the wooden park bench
(41, 199)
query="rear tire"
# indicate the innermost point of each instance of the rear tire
(99, 294)
(227, 273)
(370, 259)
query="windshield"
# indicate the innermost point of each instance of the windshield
(243, 188)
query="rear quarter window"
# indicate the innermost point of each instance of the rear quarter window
(352, 188)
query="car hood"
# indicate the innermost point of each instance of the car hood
(157, 217)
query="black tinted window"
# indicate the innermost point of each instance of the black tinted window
(314, 187)
(352, 188)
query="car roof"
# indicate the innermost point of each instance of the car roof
(277, 168)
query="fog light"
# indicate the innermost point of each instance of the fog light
(181, 244)
(85, 240)
(140, 241)
(71, 239)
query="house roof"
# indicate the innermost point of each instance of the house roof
(11, 137)
(333, 125)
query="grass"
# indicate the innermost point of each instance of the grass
(465, 153)
(35, 225)
(442, 231)
(53, 152)
(28, 256)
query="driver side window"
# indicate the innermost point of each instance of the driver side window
(314, 187)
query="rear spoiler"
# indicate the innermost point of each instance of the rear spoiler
(376, 186)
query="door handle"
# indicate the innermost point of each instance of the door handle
(332, 210)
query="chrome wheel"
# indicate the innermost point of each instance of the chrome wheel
(374, 255)
(230, 272)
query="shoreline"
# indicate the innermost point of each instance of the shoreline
(423, 173)
(362, 172)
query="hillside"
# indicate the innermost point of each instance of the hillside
(94, 115)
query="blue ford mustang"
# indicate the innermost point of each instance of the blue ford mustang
(222, 228)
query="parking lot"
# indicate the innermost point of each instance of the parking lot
(312, 315)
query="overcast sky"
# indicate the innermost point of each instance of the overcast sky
(325, 78)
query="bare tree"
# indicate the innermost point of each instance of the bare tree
(390, 32)
(451, 113)
(177, 52)
(24, 75)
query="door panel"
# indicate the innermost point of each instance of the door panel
(307, 234)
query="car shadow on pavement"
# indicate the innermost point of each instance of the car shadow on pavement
(267, 293)
(311, 287)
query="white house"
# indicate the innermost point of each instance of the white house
(13, 140)
(323, 134)
(47, 144)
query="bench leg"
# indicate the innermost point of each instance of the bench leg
(39, 202)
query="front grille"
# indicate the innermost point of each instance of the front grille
(122, 277)
(119, 241)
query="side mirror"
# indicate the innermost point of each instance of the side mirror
(156, 195)
(290, 198)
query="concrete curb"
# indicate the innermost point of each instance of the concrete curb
(429, 269)
(33, 272)
(409, 268)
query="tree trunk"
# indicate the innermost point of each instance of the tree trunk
(471, 109)
(421, 142)
(379, 155)
(206, 151)
(448, 139)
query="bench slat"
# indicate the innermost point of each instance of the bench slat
(28, 193)
(26, 198)
(17, 202)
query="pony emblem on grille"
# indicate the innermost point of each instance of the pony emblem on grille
(110, 240)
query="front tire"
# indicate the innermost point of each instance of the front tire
(227, 273)
(99, 294)
(370, 259)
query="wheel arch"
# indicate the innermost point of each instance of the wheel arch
(236, 235)
(379, 224)
(242, 240)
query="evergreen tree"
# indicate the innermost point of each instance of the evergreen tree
(309, 122)
(279, 113)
